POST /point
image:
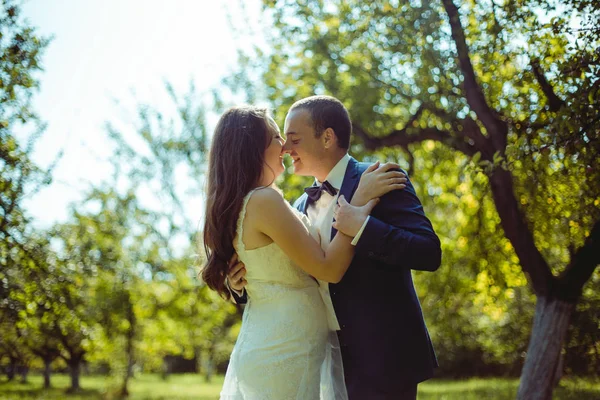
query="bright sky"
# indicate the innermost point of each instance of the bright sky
(111, 49)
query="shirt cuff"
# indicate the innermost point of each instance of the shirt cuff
(232, 290)
(359, 234)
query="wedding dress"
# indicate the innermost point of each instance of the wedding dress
(287, 347)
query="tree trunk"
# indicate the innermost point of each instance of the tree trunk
(47, 363)
(75, 367)
(10, 370)
(199, 359)
(130, 348)
(128, 375)
(166, 368)
(124, 388)
(550, 325)
(209, 359)
(560, 366)
(24, 370)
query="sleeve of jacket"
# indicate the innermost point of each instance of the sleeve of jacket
(399, 234)
(243, 299)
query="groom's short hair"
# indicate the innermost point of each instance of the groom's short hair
(327, 112)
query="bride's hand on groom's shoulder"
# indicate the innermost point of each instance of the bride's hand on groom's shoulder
(348, 218)
(378, 180)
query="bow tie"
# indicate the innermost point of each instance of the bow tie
(314, 192)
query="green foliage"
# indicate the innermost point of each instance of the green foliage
(20, 53)
(116, 285)
(24, 261)
(140, 252)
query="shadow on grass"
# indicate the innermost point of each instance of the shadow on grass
(15, 393)
(29, 390)
(501, 389)
(562, 393)
(467, 394)
(485, 394)
(143, 387)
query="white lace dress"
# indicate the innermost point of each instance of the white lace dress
(287, 347)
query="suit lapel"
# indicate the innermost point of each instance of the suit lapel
(349, 185)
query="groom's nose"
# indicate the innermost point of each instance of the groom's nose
(287, 147)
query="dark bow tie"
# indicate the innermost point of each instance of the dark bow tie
(314, 192)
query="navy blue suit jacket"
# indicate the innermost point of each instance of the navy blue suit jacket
(383, 336)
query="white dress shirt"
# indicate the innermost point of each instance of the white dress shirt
(320, 212)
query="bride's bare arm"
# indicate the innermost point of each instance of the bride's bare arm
(272, 216)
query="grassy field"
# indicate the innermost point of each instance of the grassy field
(193, 387)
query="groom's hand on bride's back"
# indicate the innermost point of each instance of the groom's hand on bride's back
(236, 276)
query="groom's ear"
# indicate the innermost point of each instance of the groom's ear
(329, 139)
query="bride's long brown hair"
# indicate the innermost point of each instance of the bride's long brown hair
(236, 159)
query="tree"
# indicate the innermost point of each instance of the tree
(101, 241)
(508, 89)
(77, 267)
(39, 289)
(20, 54)
(162, 153)
(12, 346)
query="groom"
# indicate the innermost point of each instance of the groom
(385, 345)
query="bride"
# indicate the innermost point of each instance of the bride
(287, 347)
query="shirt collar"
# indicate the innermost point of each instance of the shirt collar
(336, 175)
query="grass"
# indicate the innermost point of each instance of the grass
(502, 389)
(147, 386)
(189, 386)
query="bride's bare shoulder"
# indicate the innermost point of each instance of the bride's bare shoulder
(265, 199)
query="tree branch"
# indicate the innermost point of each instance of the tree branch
(411, 160)
(416, 115)
(516, 230)
(581, 268)
(554, 102)
(474, 95)
(402, 139)
(471, 131)
(466, 138)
